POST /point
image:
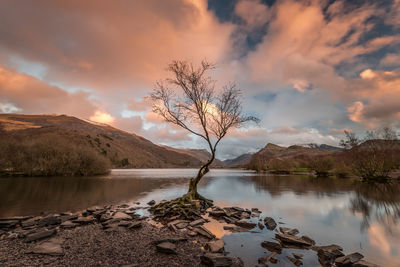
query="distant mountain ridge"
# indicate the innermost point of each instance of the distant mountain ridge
(123, 149)
(239, 161)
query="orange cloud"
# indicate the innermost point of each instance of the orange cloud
(27, 94)
(102, 117)
(103, 45)
(356, 111)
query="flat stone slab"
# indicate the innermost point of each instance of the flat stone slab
(288, 231)
(272, 246)
(5, 224)
(235, 229)
(122, 216)
(201, 230)
(50, 247)
(135, 225)
(197, 222)
(68, 225)
(166, 247)
(293, 240)
(39, 235)
(215, 246)
(348, 259)
(49, 220)
(245, 224)
(84, 220)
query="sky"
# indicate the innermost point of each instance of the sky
(308, 69)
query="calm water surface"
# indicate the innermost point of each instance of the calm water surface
(358, 216)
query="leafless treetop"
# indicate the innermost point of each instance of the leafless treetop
(189, 99)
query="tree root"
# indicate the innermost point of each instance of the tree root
(187, 207)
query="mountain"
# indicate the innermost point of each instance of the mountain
(123, 149)
(240, 161)
(278, 157)
(324, 147)
(201, 154)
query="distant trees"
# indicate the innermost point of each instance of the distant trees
(374, 156)
(321, 165)
(48, 155)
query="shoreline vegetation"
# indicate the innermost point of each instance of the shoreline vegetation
(116, 235)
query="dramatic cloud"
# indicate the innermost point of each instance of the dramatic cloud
(27, 94)
(308, 69)
(105, 45)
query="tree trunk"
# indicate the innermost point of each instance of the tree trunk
(192, 192)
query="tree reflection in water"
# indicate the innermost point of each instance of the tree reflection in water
(374, 201)
(377, 201)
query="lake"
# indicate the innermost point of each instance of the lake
(357, 216)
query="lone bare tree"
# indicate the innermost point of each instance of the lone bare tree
(190, 100)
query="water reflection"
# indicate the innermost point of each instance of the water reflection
(358, 216)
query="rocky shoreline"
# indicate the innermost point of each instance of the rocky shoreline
(119, 236)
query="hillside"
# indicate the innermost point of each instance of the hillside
(201, 154)
(123, 149)
(277, 157)
(240, 161)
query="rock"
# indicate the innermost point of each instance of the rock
(348, 259)
(269, 223)
(16, 218)
(292, 240)
(269, 258)
(229, 220)
(245, 215)
(307, 239)
(29, 223)
(68, 225)
(84, 220)
(97, 214)
(68, 217)
(93, 209)
(135, 225)
(49, 220)
(111, 228)
(121, 216)
(151, 202)
(39, 235)
(197, 222)
(50, 247)
(272, 246)
(363, 263)
(215, 246)
(217, 213)
(8, 224)
(105, 217)
(288, 231)
(235, 229)
(124, 223)
(245, 224)
(295, 261)
(181, 225)
(260, 225)
(166, 247)
(297, 255)
(215, 259)
(328, 254)
(204, 232)
(191, 233)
